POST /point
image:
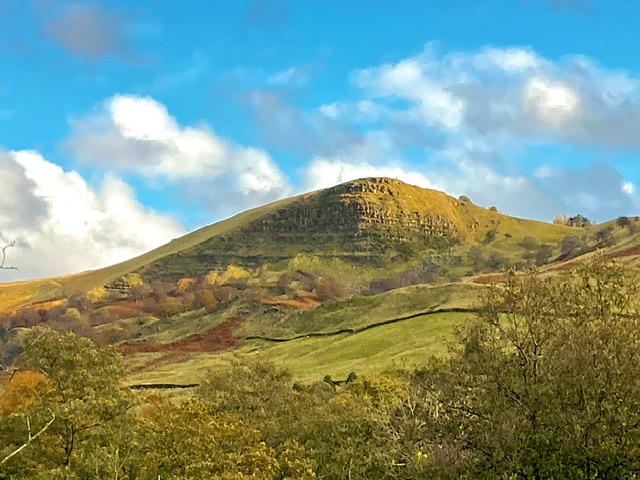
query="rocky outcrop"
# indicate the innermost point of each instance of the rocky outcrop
(356, 208)
(119, 288)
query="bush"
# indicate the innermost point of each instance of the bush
(476, 258)
(572, 245)
(623, 222)
(490, 236)
(544, 255)
(529, 243)
(329, 288)
(497, 260)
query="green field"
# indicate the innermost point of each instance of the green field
(403, 344)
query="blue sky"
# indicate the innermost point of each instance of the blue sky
(125, 124)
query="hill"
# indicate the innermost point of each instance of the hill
(372, 226)
(366, 275)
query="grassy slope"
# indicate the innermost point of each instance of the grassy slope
(403, 344)
(472, 221)
(359, 312)
(13, 295)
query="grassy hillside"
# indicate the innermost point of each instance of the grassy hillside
(16, 294)
(360, 231)
(402, 344)
(386, 329)
(426, 251)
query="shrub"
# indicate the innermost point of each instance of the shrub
(329, 288)
(571, 244)
(529, 243)
(544, 254)
(623, 222)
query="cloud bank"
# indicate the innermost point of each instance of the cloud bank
(64, 225)
(505, 126)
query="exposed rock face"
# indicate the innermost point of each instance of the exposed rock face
(357, 209)
(359, 221)
(119, 288)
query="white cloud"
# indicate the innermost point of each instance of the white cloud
(628, 188)
(409, 79)
(64, 225)
(553, 102)
(331, 110)
(512, 61)
(496, 90)
(326, 172)
(140, 118)
(137, 134)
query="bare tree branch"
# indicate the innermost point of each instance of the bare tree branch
(4, 256)
(30, 439)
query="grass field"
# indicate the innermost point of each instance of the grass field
(404, 344)
(359, 312)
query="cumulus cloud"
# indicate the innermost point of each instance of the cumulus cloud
(64, 225)
(572, 100)
(138, 135)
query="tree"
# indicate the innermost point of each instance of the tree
(80, 302)
(623, 222)
(561, 219)
(477, 258)
(206, 299)
(329, 288)
(571, 244)
(543, 384)
(171, 306)
(139, 292)
(82, 391)
(160, 290)
(347, 434)
(579, 221)
(3, 250)
(187, 441)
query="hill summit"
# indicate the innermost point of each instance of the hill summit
(367, 221)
